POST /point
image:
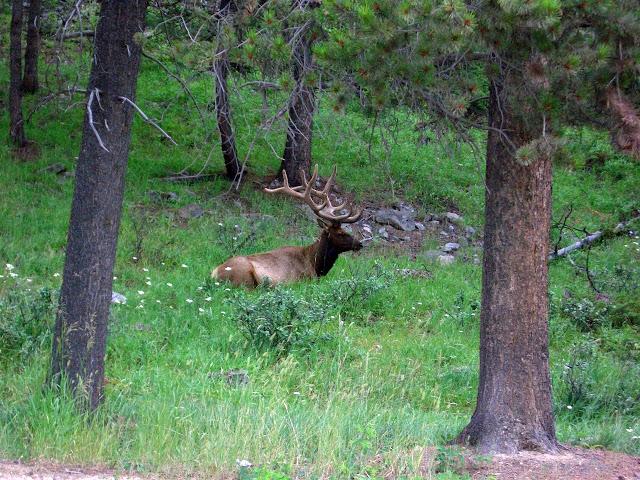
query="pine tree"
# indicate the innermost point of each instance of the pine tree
(547, 64)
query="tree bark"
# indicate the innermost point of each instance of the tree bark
(30, 82)
(81, 323)
(297, 149)
(16, 121)
(514, 407)
(223, 113)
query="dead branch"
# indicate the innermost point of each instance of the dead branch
(182, 83)
(80, 34)
(147, 119)
(592, 238)
(94, 93)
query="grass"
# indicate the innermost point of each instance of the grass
(395, 373)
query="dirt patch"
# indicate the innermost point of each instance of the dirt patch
(53, 471)
(573, 463)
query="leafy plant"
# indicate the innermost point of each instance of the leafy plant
(25, 321)
(279, 319)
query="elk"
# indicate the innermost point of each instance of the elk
(289, 264)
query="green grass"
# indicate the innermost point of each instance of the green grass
(396, 374)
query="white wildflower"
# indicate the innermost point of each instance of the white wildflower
(188, 300)
(201, 310)
(208, 299)
(184, 266)
(169, 284)
(140, 292)
(148, 282)
(56, 274)
(145, 269)
(569, 407)
(9, 267)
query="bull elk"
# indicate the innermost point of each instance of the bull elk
(288, 264)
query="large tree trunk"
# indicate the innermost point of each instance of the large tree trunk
(297, 149)
(223, 112)
(514, 407)
(81, 323)
(30, 79)
(233, 170)
(16, 122)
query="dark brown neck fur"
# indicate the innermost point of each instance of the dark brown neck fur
(323, 254)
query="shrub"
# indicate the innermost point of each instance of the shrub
(279, 319)
(26, 321)
(585, 314)
(596, 384)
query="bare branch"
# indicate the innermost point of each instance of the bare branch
(90, 113)
(147, 119)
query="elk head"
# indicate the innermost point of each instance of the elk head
(330, 217)
(295, 263)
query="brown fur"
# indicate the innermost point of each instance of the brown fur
(288, 264)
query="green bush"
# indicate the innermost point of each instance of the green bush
(26, 321)
(585, 314)
(279, 319)
(597, 384)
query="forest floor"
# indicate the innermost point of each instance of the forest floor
(572, 464)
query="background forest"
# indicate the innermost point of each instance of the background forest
(347, 376)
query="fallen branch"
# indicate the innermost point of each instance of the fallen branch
(591, 239)
(80, 34)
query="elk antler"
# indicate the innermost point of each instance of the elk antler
(324, 209)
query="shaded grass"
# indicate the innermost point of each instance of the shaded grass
(400, 374)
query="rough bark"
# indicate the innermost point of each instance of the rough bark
(223, 113)
(297, 149)
(514, 407)
(81, 323)
(626, 122)
(30, 82)
(16, 121)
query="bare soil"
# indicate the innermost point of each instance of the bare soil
(573, 463)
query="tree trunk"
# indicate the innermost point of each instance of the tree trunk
(297, 149)
(81, 323)
(16, 122)
(223, 112)
(514, 407)
(30, 79)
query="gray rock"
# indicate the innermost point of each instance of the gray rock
(400, 219)
(446, 259)
(118, 298)
(420, 226)
(56, 168)
(192, 210)
(434, 222)
(443, 233)
(469, 231)
(451, 247)
(236, 378)
(431, 255)
(453, 217)
(163, 196)
(382, 232)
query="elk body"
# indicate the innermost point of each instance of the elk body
(289, 264)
